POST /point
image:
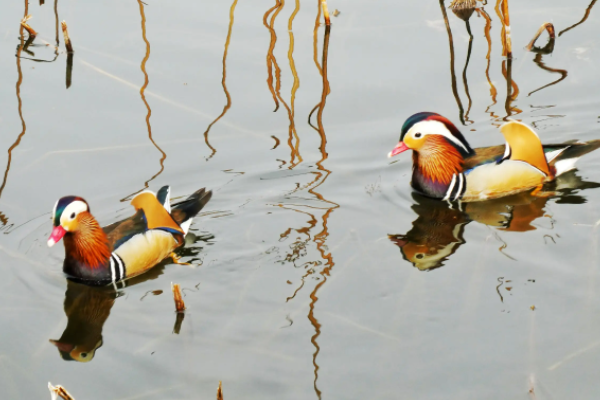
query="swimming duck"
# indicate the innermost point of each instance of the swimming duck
(446, 167)
(100, 256)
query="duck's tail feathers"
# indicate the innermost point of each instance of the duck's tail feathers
(183, 212)
(563, 159)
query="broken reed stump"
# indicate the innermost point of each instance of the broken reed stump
(59, 392)
(325, 12)
(219, 392)
(29, 29)
(68, 43)
(179, 307)
(179, 304)
(548, 27)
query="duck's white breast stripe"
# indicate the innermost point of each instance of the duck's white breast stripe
(112, 270)
(461, 179)
(449, 192)
(121, 267)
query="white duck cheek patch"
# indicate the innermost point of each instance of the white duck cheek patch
(71, 211)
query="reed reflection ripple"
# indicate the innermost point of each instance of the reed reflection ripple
(438, 231)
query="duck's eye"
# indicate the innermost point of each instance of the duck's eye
(419, 256)
(418, 135)
(72, 215)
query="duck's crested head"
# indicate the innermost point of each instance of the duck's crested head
(65, 216)
(427, 127)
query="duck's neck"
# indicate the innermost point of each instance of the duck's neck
(88, 245)
(433, 167)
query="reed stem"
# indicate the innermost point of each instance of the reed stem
(548, 27)
(28, 28)
(179, 304)
(68, 43)
(325, 12)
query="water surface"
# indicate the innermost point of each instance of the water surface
(303, 278)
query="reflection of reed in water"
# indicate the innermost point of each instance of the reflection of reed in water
(437, 233)
(463, 10)
(293, 134)
(275, 89)
(461, 110)
(562, 72)
(486, 31)
(320, 238)
(143, 97)
(223, 81)
(20, 48)
(271, 61)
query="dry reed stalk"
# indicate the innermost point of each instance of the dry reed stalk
(548, 27)
(179, 304)
(506, 16)
(59, 392)
(325, 12)
(68, 43)
(219, 392)
(29, 29)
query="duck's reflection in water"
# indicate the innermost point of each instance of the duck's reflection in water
(87, 308)
(437, 233)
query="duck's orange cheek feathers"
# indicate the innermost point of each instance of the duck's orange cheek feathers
(57, 233)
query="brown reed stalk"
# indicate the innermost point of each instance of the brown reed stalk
(68, 43)
(325, 12)
(219, 392)
(548, 27)
(506, 16)
(59, 392)
(29, 29)
(179, 304)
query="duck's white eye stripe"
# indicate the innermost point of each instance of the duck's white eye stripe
(54, 209)
(75, 207)
(437, 128)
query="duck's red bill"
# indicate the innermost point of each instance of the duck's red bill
(400, 147)
(57, 233)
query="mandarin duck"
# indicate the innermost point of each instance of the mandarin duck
(446, 167)
(101, 256)
(437, 233)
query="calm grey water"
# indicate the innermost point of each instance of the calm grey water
(295, 288)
